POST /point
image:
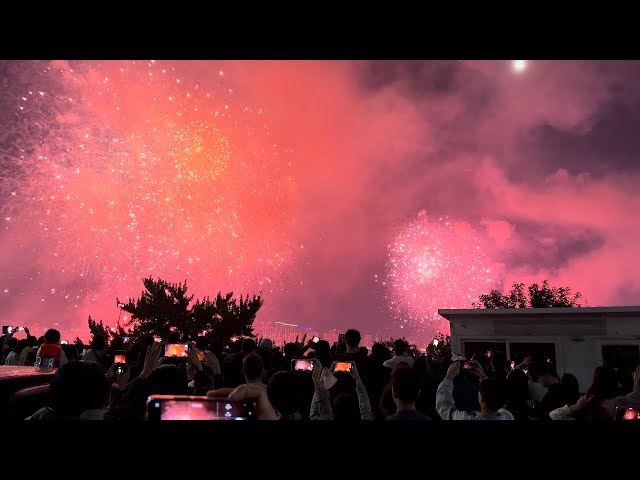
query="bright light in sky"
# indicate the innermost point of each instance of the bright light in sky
(519, 65)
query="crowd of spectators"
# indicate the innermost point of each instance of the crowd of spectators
(114, 380)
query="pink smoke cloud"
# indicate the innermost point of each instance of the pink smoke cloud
(367, 159)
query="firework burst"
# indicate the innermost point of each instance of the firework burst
(435, 263)
(120, 170)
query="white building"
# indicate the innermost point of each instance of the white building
(576, 340)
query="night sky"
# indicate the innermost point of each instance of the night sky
(352, 194)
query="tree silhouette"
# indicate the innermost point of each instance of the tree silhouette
(413, 349)
(165, 307)
(98, 329)
(443, 349)
(539, 296)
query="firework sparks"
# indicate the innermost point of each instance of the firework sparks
(127, 169)
(435, 263)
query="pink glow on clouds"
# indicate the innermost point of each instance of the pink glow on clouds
(367, 160)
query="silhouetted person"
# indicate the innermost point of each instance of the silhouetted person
(405, 388)
(402, 355)
(284, 395)
(232, 365)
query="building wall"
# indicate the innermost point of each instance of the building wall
(578, 340)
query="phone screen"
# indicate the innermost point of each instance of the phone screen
(468, 365)
(176, 350)
(6, 329)
(119, 359)
(175, 407)
(299, 365)
(513, 365)
(315, 339)
(435, 342)
(342, 366)
(201, 356)
(627, 413)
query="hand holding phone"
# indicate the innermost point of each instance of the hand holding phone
(316, 374)
(250, 392)
(212, 362)
(119, 358)
(151, 359)
(454, 369)
(315, 339)
(354, 373)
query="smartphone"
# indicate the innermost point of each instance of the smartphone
(468, 365)
(627, 413)
(184, 407)
(301, 365)
(19, 329)
(176, 350)
(120, 369)
(489, 353)
(157, 339)
(119, 359)
(201, 356)
(315, 339)
(342, 367)
(126, 339)
(513, 365)
(435, 342)
(7, 329)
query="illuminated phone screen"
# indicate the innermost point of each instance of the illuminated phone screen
(342, 366)
(198, 408)
(302, 365)
(176, 350)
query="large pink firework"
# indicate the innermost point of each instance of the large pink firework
(435, 263)
(118, 170)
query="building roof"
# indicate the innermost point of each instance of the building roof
(449, 314)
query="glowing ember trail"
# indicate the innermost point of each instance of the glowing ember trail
(120, 170)
(435, 263)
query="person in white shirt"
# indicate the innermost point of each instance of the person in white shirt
(490, 397)
(401, 350)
